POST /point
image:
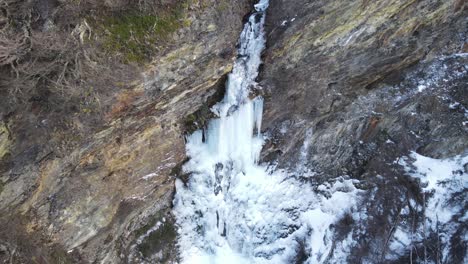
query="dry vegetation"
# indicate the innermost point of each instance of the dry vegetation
(31, 56)
(74, 52)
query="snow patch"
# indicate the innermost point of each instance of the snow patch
(149, 176)
(442, 180)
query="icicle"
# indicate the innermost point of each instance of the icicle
(258, 109)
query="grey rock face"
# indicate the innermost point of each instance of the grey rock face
(364, 83)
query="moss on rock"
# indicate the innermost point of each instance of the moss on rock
(135, 36)
(161, 239)
(60, 256)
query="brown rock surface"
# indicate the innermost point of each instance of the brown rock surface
(84, 179)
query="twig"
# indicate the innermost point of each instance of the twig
(391, 233)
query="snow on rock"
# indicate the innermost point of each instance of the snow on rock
(444, 182)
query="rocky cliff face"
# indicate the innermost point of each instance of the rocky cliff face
(87, 174)
(363, 83)
(92, 140)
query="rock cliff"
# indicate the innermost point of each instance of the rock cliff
(364, 83)
(88, 163)
(97, 97)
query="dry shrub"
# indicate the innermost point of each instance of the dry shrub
(12, 47)
(55, 59)
(31, 56)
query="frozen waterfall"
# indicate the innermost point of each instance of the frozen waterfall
(232, 210)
